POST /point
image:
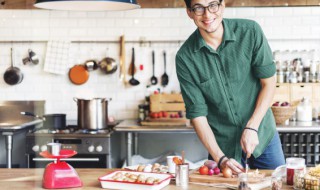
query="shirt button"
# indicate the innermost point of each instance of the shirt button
(235, 114)
(231, 99)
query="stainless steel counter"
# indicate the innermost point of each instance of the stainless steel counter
(132, 128)
(18, 125)
(8, 129)
(297, 126)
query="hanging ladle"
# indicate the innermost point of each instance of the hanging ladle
(154, 79)
(133, 81)
(164, 77)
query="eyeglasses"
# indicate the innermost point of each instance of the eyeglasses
(199, 10)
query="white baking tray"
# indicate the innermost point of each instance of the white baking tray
(107, 181)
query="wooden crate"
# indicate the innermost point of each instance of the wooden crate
(169, 103)
(166, 102)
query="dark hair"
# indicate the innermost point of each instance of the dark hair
(188, 3)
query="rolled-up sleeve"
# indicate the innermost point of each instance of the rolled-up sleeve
(192, 96)
(262, 59)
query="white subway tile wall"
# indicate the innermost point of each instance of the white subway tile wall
(292, 28)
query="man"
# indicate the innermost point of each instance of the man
(226, 75)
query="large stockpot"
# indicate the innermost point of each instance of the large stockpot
(92, 113)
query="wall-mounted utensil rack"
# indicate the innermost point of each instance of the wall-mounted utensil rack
(142, 42)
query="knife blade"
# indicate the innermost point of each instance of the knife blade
(247, 166)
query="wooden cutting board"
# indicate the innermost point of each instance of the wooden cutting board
(194, 176)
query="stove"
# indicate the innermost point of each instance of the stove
(93, 146)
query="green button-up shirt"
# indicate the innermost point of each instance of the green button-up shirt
(223, 85)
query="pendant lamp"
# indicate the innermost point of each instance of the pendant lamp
(87, 5)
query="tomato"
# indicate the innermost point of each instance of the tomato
(164, 114)
(160, 114)
(204, 170)
(154, 115)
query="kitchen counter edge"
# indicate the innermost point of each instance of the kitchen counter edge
(132, 125)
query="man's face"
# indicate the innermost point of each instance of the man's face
(208, 21)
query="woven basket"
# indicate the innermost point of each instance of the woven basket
(283, 113)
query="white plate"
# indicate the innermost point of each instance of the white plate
(107, 181)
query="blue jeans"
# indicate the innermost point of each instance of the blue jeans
(271, 158)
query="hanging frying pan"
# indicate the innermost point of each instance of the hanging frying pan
(13, 75)
(78, 74)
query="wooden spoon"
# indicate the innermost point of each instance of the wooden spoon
(182, 156)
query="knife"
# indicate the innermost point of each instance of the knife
(247, 166)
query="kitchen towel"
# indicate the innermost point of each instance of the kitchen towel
(57, 57)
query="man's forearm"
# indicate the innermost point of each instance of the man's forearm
(207, 137)
(263, 101)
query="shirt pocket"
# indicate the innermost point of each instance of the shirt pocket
(212, 91)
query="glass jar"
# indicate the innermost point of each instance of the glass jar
(146, 110)
(298, 179)
(243, 182)
(280, 77)
(294, 77)
(304, 110)
(294, 164)
(306, 77)
(276, 183)
(287, 77)
(141, 112)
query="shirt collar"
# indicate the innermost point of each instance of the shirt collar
(228, 35)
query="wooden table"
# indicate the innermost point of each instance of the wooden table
(17, 179)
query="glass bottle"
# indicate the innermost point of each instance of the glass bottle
(243, 182)
(141, 112)
(304, 110)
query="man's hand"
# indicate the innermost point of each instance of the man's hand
(249, 141)
(233, 165)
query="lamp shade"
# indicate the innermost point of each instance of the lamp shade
(87, 5)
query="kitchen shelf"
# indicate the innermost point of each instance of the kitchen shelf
(99, 41)
(304, 145)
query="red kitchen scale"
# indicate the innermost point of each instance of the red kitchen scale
(60, 174)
